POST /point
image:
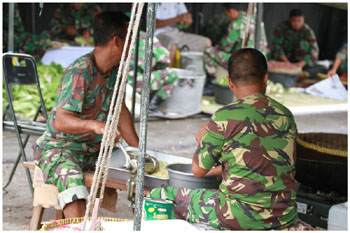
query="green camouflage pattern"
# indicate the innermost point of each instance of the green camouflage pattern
(23, 41)
(297, 46)
(88, 93)
(66, 15)
(216, 27)
(232, 42)
(254, 139)
(64, 169)
(163, 79)
(192, 205)
(342, 54)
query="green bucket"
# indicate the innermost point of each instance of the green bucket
(157, 209)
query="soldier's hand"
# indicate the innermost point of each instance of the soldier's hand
(117, 137)
(98, 127)
(187, 19)
(69, 30)
(301, 63)
(331, 72)
(201, 133)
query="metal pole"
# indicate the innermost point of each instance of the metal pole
(143, 118)
(10, 46)
(33, 18)
(258, 20)
(135, 74)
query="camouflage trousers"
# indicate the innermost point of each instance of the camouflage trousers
(214, 57)
(192, 205)
(162, 81)
(64, 168)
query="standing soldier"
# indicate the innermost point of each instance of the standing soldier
(74, 19)
(163, 79)
(232, 41)
(24, 42)
(295, 42)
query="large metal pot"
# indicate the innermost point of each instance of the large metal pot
(321, 171)
(181, 176)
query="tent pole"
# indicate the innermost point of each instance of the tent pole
(10, 46)
(258, 20)
(151, 8)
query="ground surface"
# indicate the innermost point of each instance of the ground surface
(174, 137)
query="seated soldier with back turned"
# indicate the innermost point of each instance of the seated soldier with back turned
(77, 122)
(251, 144)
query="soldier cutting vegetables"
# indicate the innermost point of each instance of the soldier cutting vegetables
(76, 124)
(251, 144)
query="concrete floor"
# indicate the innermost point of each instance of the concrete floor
(177, 137)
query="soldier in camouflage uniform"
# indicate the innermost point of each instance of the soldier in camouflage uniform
(73, 19)
(76, 124)
(23, 41)
(216, 27)
(340, 65)
(163, 79)
(232, 41)
(294, 41)
(251, 144)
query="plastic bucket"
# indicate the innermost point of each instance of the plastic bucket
(187, 95)
(287, 80)
(223, 94)
(181, 176)
(192, 61)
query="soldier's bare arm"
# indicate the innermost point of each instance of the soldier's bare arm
(166, 22)
(126, 127)
(67, 121)
(198, 171)
(215, 171)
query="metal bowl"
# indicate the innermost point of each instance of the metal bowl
(181, 176)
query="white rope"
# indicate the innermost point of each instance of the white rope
(113, 116)
(249, 16)
(121, 97)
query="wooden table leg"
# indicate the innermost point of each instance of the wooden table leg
(59, 214)
(37, 215)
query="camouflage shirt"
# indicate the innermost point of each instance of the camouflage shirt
(232, 42)
(66, 15)
(254, 140)
(295, 45)
(23, 41)
(88, 93)
(216, 27)
(342, 54)
(233, 39)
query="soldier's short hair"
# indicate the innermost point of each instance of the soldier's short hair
(108, 24)
(295, 12)
(247, 65)
(236, 6)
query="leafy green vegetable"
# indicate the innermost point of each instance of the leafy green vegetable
(26, 99)
(222, 81)
(81, 40)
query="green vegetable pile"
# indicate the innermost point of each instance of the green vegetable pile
(222, 81)
(26, 99)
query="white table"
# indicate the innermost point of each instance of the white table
(64, 55)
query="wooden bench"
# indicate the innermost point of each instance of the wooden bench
(46, 195)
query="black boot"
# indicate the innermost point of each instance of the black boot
(154, 103)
